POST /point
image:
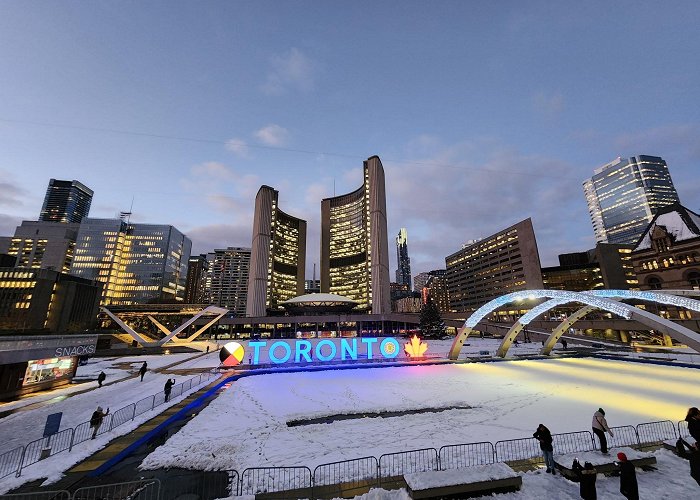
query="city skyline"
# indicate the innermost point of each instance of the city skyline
(482, 115)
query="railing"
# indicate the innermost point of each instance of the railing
(683, 429)
(624, 435)
(654, 433)
(197, 484)
(38, 495)
(403, 462)
(519, 450)
(12, 462)
(458, 456)
(333, 479)
(259, 480)
(573, 442)
(148, 489)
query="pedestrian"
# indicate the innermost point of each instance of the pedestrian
(96, 420)
(543, 435)
(691, 452)
(628, 478)
(563, 343)
(600, 427)
(143, 370)
(168, 388)
(586, 476)
(101, 378)
(693, 419)
(207, 348)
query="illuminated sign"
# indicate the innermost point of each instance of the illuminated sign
(299, 351)
(415, 348)
(76, 350)
(231, 354)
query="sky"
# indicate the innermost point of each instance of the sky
(483, 113)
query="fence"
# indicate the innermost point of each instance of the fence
(258, 480)
(12, 462)
(148, 489)
(623, 435)
(683, 429)
(404, 462)
(337, 479)
(655, 433)
(457, 456)
(38, 495)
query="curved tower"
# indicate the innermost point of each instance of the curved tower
(278, 255)
(354, 243)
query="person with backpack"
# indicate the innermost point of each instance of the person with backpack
(586, 476)
(628, 478)
(600, 427)
(101, 378)
(543, 435)
(96, 420)
(691, 452)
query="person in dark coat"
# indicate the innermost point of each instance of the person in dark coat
(628, 478)
(101, 378)
(168, 388)
(96, 420)
(143, 370)
(586, 477)
(543, 435)
(693, 419)
(600, 427)
(692, 453)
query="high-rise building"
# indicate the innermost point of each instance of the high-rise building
(403, 273)
(624, 195)
(505, 262)
(196, 291)
(419, 281)
(435, 289)
(228, 276)
(137, 263)
(354, 243)
(66, 201)
(44, 245)
(278, 256)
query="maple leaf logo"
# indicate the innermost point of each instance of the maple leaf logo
(415, 348)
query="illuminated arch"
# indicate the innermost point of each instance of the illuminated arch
(217, 311)
(489, 307)
(676, 298)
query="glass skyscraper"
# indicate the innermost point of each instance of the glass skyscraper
(624, 195)
(138, 263)
(403, 273)
(66, 201)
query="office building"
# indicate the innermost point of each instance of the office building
(228, 275)
(624, 195)
(354, 243)
(196, 290)
(667, 255)
(42, 300)
(435, 289)
(278, 256)
(44, 245)
(403, 273)
(312, 286)
(419, 281)
(137, 263)
(66, 201)
(505, 262)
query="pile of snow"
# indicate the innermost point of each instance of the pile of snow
(441, 478)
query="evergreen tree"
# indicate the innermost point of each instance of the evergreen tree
(431, 325)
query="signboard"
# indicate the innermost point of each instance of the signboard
(53, 423)
(300, 351)
(75, 350)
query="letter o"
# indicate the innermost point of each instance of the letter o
(287, 352)
(389, 352)
(320, 356)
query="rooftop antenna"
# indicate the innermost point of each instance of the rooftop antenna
(314, 278)
(334, 187)
(127, 215)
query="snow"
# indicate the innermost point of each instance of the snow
(597, 458)
(674, 225)
(475, 474)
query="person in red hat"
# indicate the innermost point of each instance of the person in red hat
(628, 478)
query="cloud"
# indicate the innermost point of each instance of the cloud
(8, 224)
(223, 188)
(292, 70)
(549, 105)
(11, 194)
(273, 135)
(209, 237)
(238, 146)
(213, 170)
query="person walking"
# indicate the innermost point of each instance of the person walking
(143, 370)
(691, 452)
(600, 427)
(101, 378)
(96, 420)
(586, 476)
(628, 478)
(693, 419)
(168, 388)
(563, 343)
(543, 435)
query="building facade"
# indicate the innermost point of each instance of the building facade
(505, 262)
(403, 273)
(196, 289)
(278, 256)
(44, 245)
(137, 263)
(419, 281)
(624, 195)
(66, 201)
(435, 289)
(228, 275)
(354, 243)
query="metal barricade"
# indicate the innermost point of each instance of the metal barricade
(572, 442)
(683, 429)
(122, 415)
(347, 477)
(147, 489)
(655, 433)
(624, 435)
(38, 495)
(144, 405)
(158, 399)
(519, 450)
(84, 431)
(457, 456)
(296, 481)
(10, 461)
(405, 462)
(203, 485)
(46, 447)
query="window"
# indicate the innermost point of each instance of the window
(654, 283)
(694, 279)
